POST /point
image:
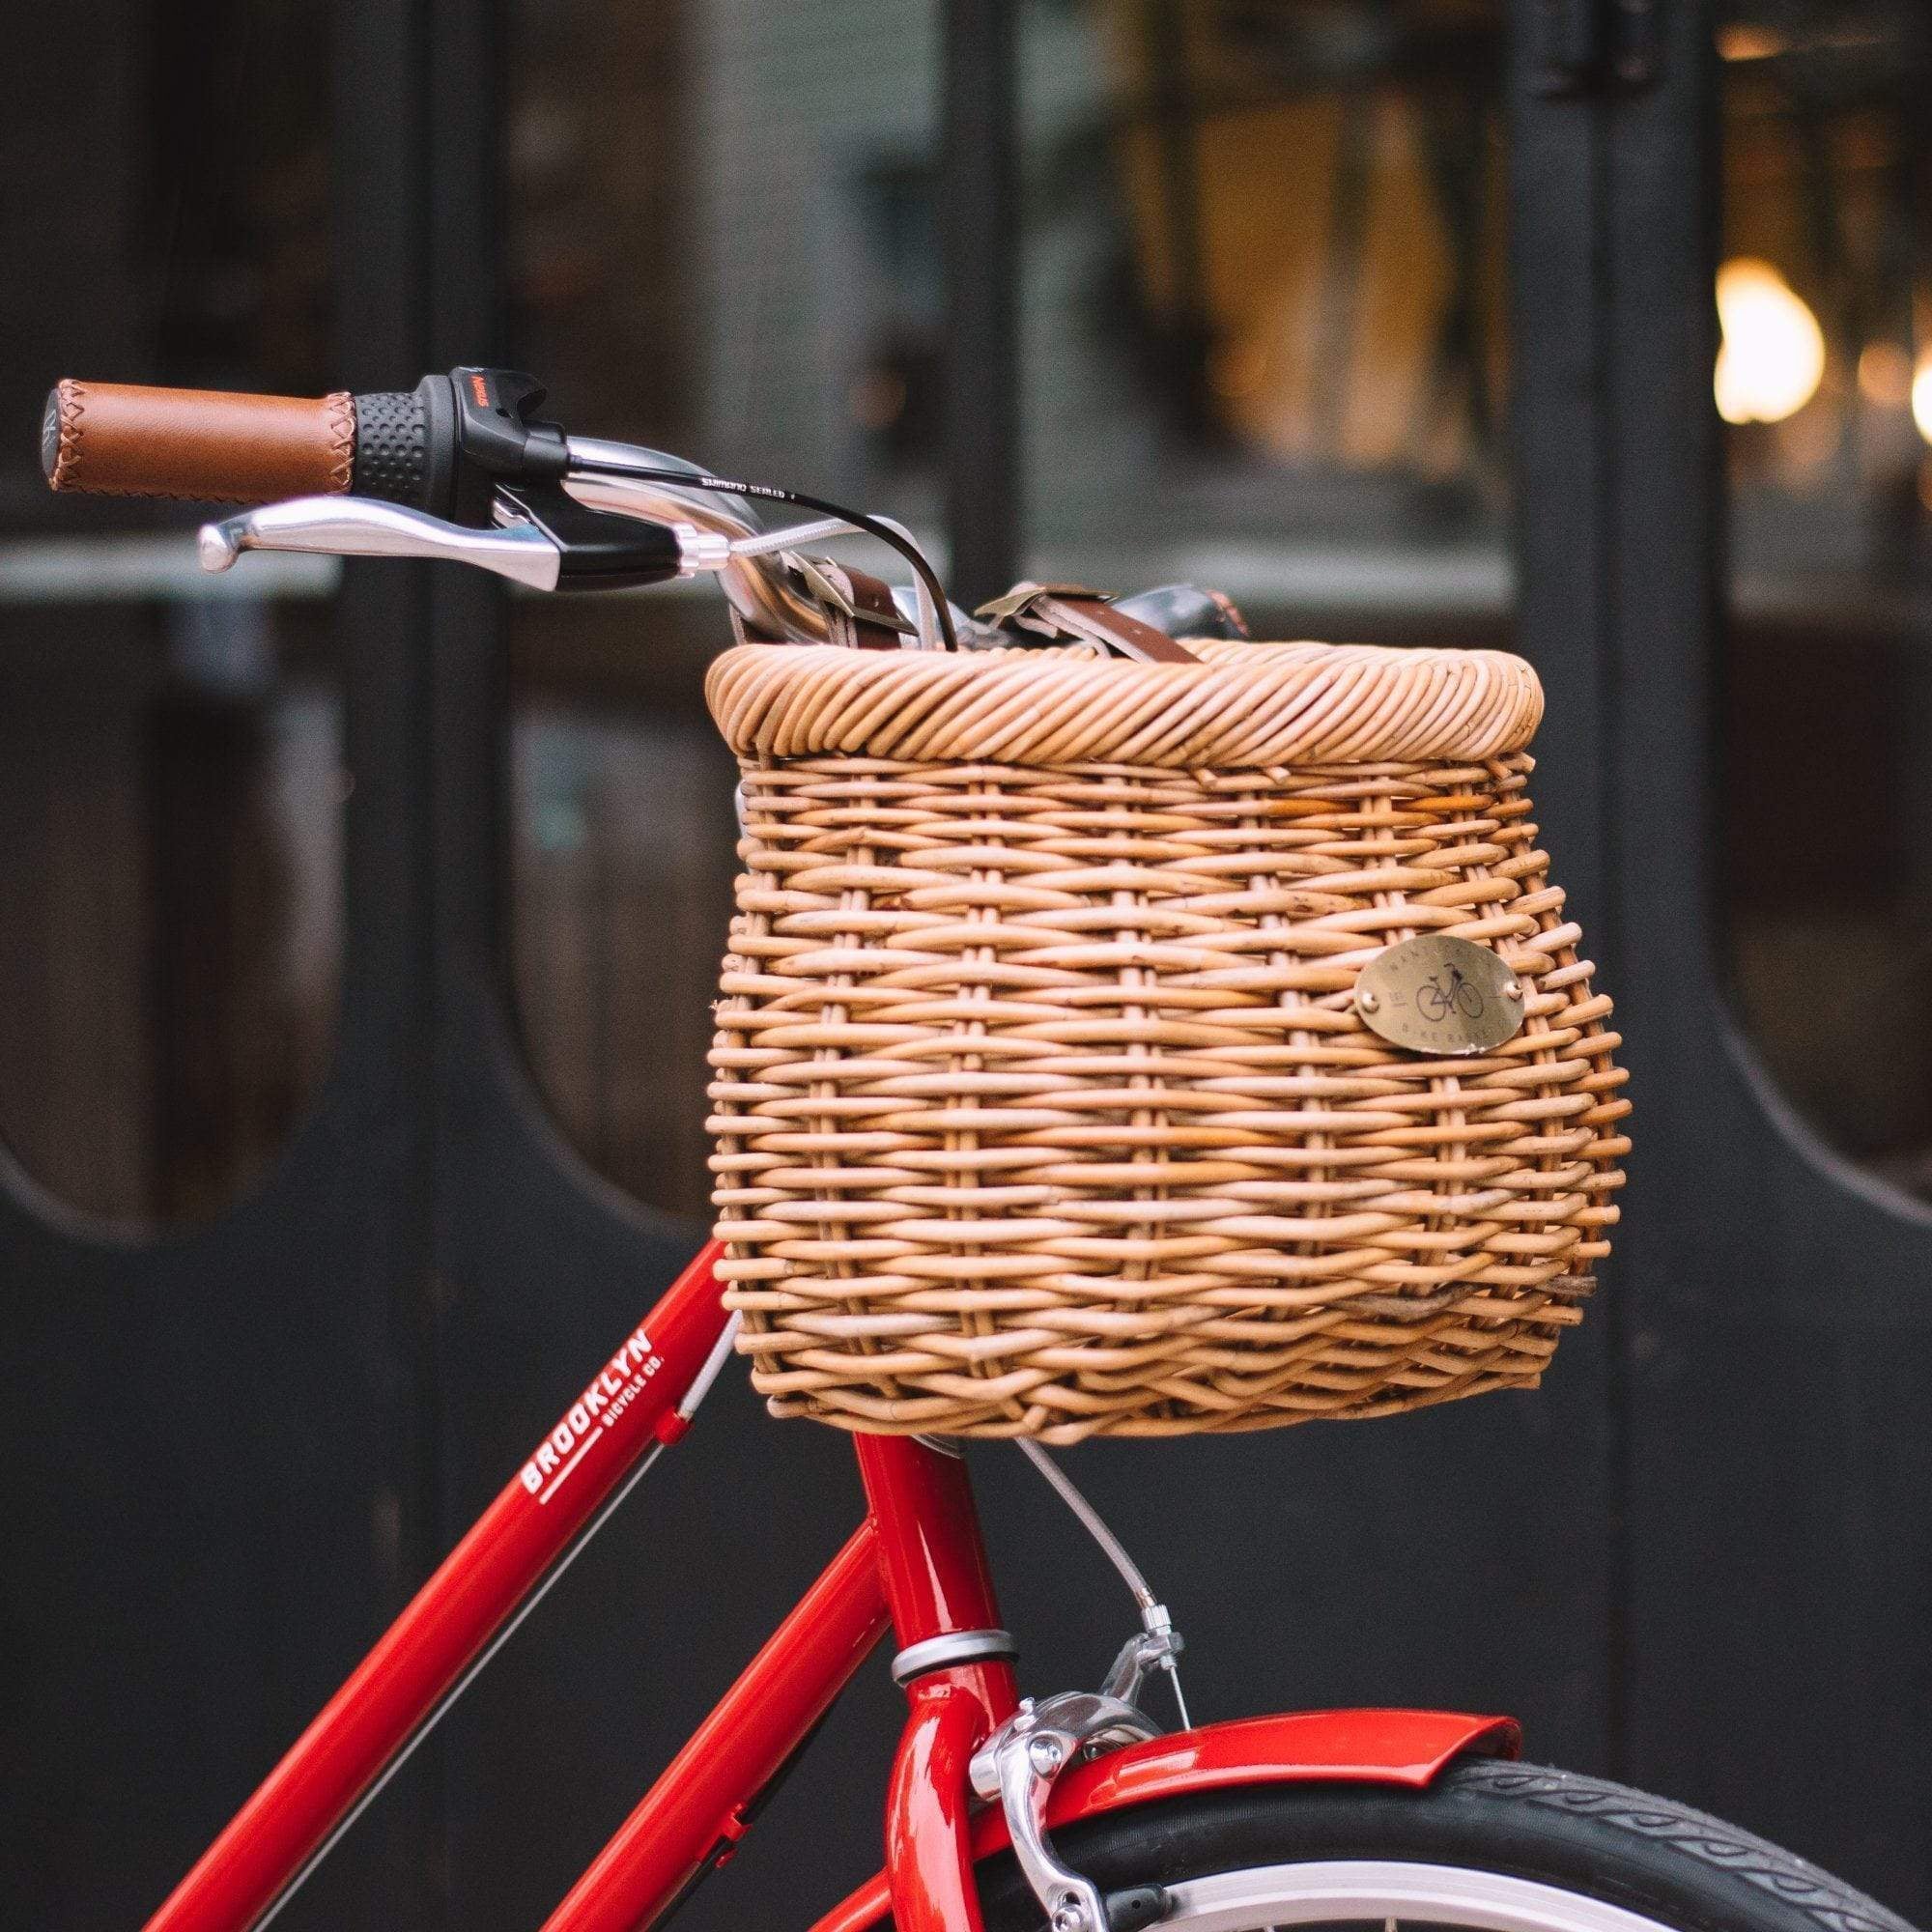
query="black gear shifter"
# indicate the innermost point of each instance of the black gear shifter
(443, 445)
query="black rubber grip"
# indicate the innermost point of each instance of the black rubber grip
(393, 453)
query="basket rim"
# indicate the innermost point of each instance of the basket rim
(1244, 705)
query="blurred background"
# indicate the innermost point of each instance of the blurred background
(357, 928)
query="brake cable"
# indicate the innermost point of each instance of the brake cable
(603, 463)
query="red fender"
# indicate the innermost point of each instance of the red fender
(1302, 1747)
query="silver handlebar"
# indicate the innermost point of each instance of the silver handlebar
(766, 581)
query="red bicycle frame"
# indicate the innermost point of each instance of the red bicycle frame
(916, 1563)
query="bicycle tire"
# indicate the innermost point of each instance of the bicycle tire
(1608, 1856)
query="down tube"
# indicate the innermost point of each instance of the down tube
(704, 1800)
(629, 1403)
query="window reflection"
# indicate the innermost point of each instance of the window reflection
(1309, 195)
(599, 166)
(621, 872)
(1266, 283)
(1825, 379)
(170, 784)
(722, 243)
(170, 793)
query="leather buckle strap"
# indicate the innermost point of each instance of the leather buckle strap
(1072, 611)
(859, 614)
(858, 608)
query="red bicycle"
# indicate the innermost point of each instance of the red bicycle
(1075, 1810)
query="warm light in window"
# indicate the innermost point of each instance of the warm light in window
(1739, 42)
(1884, 375)
(1921, 394)
(1772, 355)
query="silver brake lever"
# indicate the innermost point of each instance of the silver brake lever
(361, 527)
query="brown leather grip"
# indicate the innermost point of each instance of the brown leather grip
(122, 439)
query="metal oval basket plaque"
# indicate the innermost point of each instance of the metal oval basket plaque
(1438, 995)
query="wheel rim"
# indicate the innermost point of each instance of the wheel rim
(1338, 1891)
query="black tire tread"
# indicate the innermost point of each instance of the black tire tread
(1827, 1902)
(1649, 1855)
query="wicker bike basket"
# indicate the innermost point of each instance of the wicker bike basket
(1044, 1103)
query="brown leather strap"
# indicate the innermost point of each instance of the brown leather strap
(1071, 610)
(124, 439)
(858, 608)
(1096, 618)
(1231, 611)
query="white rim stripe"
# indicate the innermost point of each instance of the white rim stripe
(1371, 1889)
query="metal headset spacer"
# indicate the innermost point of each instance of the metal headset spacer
(955, 1647)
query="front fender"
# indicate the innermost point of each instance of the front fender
(1300, 1748)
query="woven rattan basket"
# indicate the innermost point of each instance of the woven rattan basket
(1043, 1106)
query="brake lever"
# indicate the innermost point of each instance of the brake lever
(541, 537)
(361, 527)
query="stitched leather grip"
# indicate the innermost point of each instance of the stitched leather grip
(125, 440)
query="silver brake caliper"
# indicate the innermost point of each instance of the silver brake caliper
(1020, 1762)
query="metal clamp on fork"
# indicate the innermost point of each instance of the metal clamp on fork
(1019, 1764)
